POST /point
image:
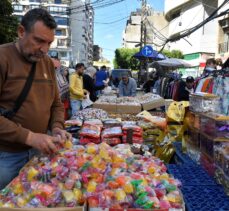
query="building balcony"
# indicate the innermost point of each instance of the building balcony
(63, 43)
(223, 47)
(35, 1)
(56, 2)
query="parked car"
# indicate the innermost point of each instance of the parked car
(116, 76)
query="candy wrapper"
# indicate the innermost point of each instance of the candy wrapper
(104, 177)
(108, 123)
(91, 113)
(112, 132)
(91, 131)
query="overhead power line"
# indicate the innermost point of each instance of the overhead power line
(187, 32)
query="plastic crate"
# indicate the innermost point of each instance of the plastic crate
(180, 157)
(191, 175)
(193, 152)
(207, 198)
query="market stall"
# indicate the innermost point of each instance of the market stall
(132, 160)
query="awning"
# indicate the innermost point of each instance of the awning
(154, 56)
(171, 62)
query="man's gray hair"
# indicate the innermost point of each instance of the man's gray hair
(37, 14)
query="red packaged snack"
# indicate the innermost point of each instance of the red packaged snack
(91, 131)
(112, 132)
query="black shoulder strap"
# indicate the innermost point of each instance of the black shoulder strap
(21, 98)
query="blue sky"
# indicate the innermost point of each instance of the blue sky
(109, 36)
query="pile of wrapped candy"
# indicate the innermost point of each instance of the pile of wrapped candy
(103, 176)
(125, 117)
(91, 113)
(149, 97)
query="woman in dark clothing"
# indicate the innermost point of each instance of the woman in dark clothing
(148, 85)
(185, 89)
(89, 83)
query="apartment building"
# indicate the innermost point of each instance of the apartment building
(185, 14)
(82, 25)
(223, 34)
(74, 36)
(155, 23)
(59, 9)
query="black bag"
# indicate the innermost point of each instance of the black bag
(9, 114)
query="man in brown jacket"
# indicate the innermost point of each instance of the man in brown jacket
(42, 109)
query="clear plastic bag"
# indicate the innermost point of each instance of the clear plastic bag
(86, 102)
(112, 132)
(91, 131)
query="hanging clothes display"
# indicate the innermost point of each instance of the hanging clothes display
(221, 89)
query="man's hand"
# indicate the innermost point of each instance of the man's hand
(44, 143)
(62, 134)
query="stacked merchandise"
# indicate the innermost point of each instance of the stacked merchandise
(132, 133)
(91, 132)
(152, 134)
(73, 126)
(221, 158)
(208, 129)
(112, 131)
(128, 105)
(104, 177)
(216, 84)
(112, 135)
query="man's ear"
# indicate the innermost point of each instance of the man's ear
(21, 31)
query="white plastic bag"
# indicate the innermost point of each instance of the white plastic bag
(86, 102)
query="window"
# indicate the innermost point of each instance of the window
(61, 21)
(18, 8)
(60, 32)
(36, 1)
(63, 54)
(61, 42)
(34, 6)
(58, 10)
(58, 1)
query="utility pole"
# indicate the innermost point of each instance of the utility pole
(143, 26)
(142, 40)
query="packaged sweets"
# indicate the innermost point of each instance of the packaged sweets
(104, 177)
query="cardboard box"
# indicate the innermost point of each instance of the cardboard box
(153, 104)
(128, 109)
(108, 107)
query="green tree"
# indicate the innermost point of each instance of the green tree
(8, 22)
(124, 58)
(173, 54)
